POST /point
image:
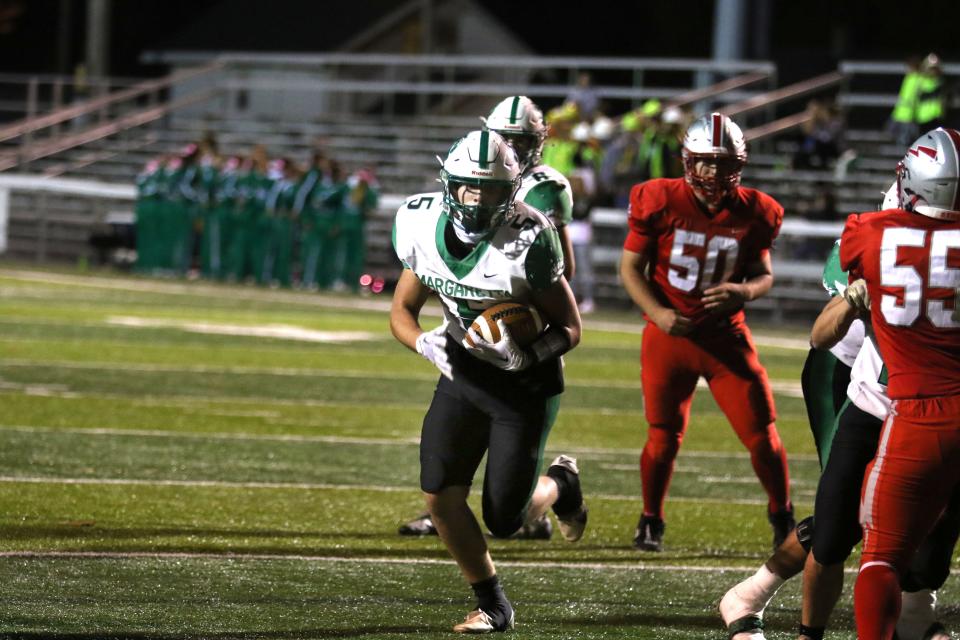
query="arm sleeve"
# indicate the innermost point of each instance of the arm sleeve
(851, 246)
(544, 261)
(554, 200)
(834, 277)
(641, 232)
(773, 217)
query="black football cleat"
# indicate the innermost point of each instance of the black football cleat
(422, 525)
(782, 523)
(539, 529)
(649, 534)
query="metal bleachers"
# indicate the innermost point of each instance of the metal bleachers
(402, 148)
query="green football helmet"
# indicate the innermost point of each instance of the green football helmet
(480, 179)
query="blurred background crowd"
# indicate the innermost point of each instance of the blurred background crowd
(254, 218)
(280, 221)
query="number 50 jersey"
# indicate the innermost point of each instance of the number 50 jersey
(521, 256)
(690, 251)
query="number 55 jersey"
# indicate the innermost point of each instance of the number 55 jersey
(912, 267)
(690, 251)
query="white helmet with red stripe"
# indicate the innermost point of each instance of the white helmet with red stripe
(927, 177)
(714, 154)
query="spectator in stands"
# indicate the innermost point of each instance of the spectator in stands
(316, 179)
(666, 158)
(147, 212)
(583, 184)
(327, 203)
(275, 269)
(218, 230)
(822, 137)
(585, 97)
(649, 147)
(183, 207)
(821, 207)
(931, 95)
(902, 124)
(207, 225)
(248, 210)
(559, 149)
(362, 196)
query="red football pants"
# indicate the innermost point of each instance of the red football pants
(905, 489)
(670, 369)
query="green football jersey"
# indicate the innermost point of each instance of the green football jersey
(518, 258)
(834, 277)
(548, 191)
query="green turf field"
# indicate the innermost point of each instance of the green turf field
(199, 461)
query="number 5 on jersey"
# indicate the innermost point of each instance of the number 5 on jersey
(906, 277)
(685, 269)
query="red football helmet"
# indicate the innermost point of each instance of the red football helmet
(714, 154)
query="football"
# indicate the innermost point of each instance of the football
(524, 322)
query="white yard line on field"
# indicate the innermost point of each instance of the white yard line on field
(787, 388)
(213, 435)
(319, 300)
(627, 565)
(317, 486)
(279, 331)
(240, 436)
(197, 289)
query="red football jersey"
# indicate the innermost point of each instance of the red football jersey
(912, 267)
(690, 251)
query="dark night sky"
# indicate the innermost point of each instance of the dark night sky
(805, 37)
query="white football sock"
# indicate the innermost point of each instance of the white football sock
(752, 595)
(917, 613)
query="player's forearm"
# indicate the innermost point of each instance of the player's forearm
(566, 244)
(405, 327)
(832, 324)
(638, 288)
(757, 286)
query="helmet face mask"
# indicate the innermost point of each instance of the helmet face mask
(714, 154)
(928, 176)
(480, 179)
(478, 206)
(521, 124)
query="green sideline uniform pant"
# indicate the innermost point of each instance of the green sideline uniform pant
(213, 242)
(351, 253)
(275, 265)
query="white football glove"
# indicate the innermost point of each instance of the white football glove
(857, 296)
(506, 354)
(432, 345)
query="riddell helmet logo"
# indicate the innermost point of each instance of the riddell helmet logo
(481, 173)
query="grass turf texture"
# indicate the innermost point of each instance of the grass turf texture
(231, 486)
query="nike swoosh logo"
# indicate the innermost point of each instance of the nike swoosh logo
(489, 275)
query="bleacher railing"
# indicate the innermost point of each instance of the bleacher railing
(108, 118)
(426, 75)
(52, 219)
